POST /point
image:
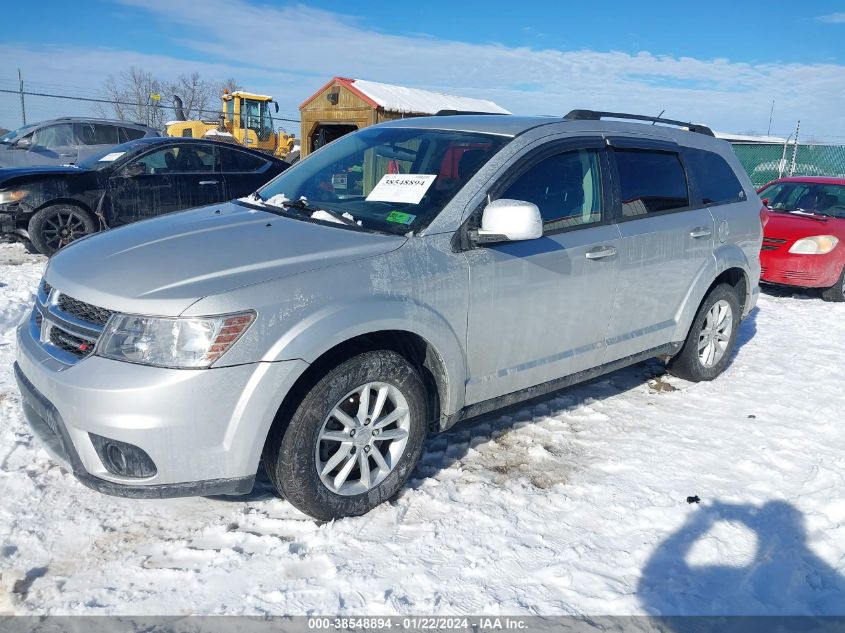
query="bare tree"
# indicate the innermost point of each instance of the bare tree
(230, 84)
(132, 98)
(135, 95)
(197, 95)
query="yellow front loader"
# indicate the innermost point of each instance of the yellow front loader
(245, 119)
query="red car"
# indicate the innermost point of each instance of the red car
(804, 234)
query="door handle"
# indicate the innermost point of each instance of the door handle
(700, 231)
(599, 252)
(208, 182)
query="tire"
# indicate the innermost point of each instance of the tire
(836, 293)
(58, 225)
(295, 457)
(695, 363)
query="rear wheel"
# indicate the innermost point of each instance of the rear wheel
(711, 338)
(836, 292)
(58, 225)
(353, 440)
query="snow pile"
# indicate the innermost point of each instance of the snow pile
(325, 216)
(415, 101)
(572, 505)
(215, 133)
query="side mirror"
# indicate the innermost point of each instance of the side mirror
(24, 143)
(277, 107)
(765, 202)
(509, 221)
(134, 169)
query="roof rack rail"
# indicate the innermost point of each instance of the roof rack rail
(457, 112)
(591, 115)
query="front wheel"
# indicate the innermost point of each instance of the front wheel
(837, 291)
(58, 225)
(711, 339)
(353, 440)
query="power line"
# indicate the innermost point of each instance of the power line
(116, 102)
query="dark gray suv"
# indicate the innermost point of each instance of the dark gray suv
(66, 141)
(400, 279)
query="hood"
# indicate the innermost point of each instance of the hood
(11, 173)
(162, 266)
(792, 226)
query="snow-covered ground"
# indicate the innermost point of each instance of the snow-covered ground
(573, 505)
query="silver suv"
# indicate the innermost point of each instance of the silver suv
(65, 141)
(398, 280)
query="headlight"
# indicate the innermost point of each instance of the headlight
(12, 195)
(816, 245)
(189, 343)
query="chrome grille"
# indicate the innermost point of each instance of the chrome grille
(84, 311)
(68, 329)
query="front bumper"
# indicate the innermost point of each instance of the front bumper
(203, 429)
(806, 271)
(8, 223)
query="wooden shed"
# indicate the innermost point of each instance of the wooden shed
(344, 105)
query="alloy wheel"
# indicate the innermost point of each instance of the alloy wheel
(61, 228)
(715, 334)
(362, 438)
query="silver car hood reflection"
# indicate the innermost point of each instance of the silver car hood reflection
(163, 265)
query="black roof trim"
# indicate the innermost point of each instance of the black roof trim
(592, 115)
(468, 112)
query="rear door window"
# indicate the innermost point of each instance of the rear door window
(715, 180)
(97, 134)
(650, 181)
(235, 161)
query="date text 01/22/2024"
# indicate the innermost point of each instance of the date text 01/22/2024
(419, 623)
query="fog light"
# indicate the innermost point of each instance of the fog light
(120, 458)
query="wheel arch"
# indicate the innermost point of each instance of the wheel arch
(727, 266)
(414, 348)
(73, 202)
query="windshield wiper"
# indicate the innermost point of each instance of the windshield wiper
(804, 213)
(312, 211)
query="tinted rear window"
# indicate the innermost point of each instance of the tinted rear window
(133, 133)
(234, 160)
(715, 179)
(650, 181)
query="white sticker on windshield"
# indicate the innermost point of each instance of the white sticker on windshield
(408, 188)
(110, 157)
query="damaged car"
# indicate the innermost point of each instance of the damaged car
(51, 206)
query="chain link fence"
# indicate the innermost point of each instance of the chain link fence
(765, 162)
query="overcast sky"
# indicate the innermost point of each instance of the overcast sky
(720, 63)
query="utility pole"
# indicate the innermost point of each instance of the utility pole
(20, 89)
(771, 112)
(795, 150)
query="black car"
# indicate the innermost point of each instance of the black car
(52, 206)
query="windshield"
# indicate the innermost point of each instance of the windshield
(388, 179)
(809, 197)
(106, 157)
(8, 137)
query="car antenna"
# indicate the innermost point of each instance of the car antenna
(659, 115)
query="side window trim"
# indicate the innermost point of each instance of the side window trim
(666, 147)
